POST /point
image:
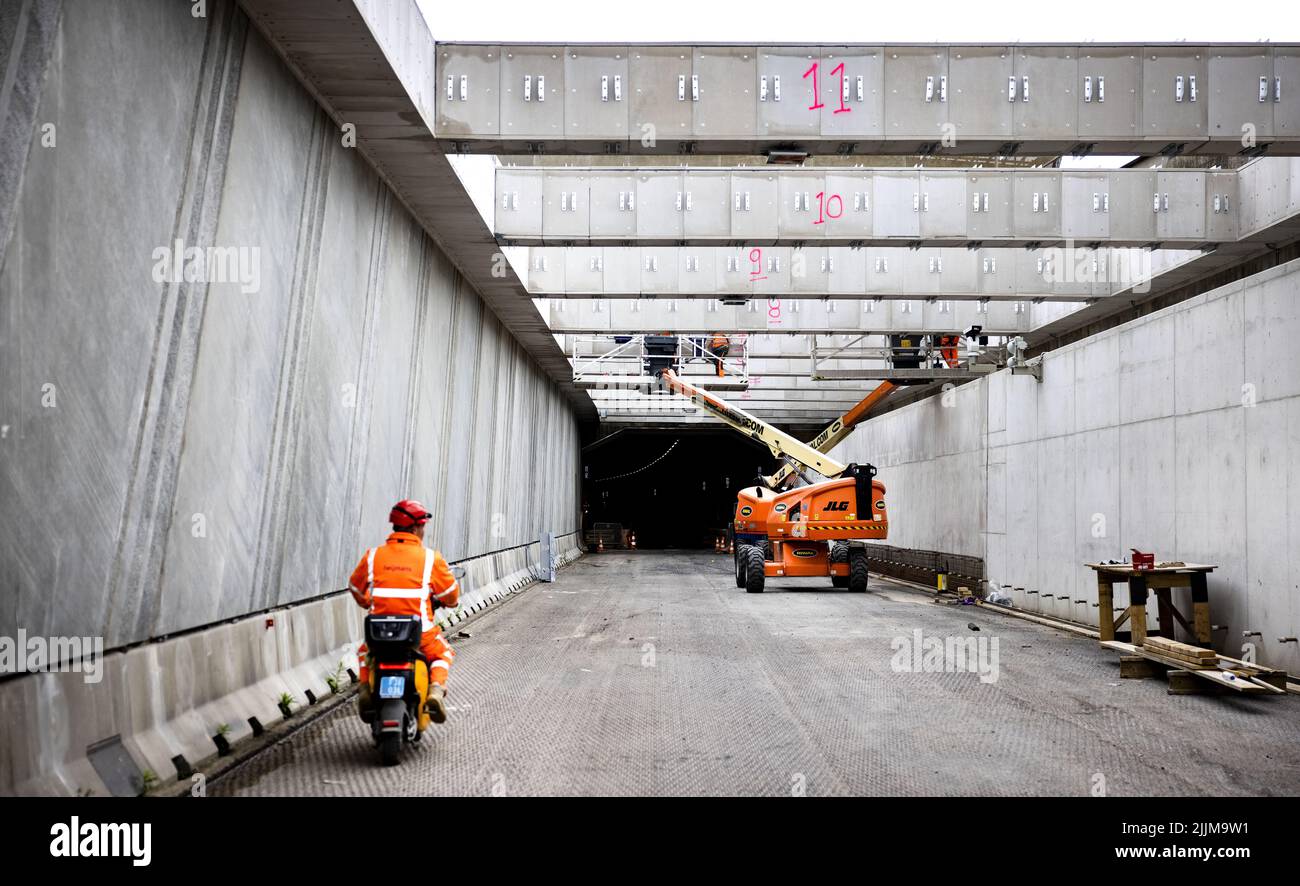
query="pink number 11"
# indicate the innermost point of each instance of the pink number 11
(817, 102)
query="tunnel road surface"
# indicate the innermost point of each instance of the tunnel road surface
(652, 673)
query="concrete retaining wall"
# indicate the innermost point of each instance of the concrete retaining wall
(1177, 433)
(177, 451)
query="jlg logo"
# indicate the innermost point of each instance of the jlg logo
(837, 505)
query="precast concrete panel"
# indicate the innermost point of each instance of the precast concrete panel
(917, 92)
(1221, 205)
(469, 84)
(811, 268)
(943, 204)
(959, 270)
(519, 201)
(707, 203)
(595, 92)
(532, 92)
(722, 93)
(584, 269)
(980, 82)
(735, 268)
(852, 93)
(1085, 200)
(849, 274)
(1046, 104)
(1182, 204)
(897, 205)
(802, 204)
(1286, 93)
(924, 276)
(1175, 106)
(696, 270)
(774, 270)
(622, 269)
(884, 271)
(1134, 189)
(546, 271)
(614, 207)
(659, 269)
(660, 204)
(566, 204)
(754, 195)
(1037, 203)
(786, 98)
(848, 203)
(658, 111)
(1109, 89)
(989, 205)
(1241, 94)
(996, 271)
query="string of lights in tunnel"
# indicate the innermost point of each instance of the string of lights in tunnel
(644, 467)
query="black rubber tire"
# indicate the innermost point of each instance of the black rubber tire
(839, 581)
(739, 557)
(839, 552)
(390, 748)
(858, 571)
(754, 574)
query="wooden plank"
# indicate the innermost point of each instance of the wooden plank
(1168, 646)
(1232, 681)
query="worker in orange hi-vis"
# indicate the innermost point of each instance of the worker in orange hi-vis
(719, 346)
(403, 577)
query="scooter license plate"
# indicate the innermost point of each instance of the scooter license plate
(392, 687)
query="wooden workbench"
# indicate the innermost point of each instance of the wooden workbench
(1159, 580)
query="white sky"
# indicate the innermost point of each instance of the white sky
(830, 21)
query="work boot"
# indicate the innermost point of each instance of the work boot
(364, 706)
(435, 704)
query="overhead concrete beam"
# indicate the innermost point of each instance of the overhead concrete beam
(757, 206)
(940, 99)
(1066, 273)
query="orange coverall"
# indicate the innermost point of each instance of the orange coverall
(403, 577)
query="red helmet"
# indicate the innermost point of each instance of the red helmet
(408, 513)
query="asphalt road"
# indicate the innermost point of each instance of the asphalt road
(651, 673)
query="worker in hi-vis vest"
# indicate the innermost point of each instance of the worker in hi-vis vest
(403, 577)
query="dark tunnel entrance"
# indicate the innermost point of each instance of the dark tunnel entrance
(672, 488)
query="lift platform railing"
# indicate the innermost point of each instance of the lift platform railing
(634, 361)
(903, 357)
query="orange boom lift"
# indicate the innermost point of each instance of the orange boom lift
(812, 530)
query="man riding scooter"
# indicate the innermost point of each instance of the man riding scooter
(403, 577)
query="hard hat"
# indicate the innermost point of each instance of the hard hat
(407, 513)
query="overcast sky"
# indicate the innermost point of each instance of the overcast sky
(828, 21)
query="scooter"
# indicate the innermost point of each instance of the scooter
(399, 683)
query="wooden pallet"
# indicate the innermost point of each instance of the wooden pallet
(1229, 674)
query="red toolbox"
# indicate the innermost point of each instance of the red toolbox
(1143, 562)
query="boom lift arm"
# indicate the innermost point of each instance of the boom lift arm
(836, 431)
(781, 444)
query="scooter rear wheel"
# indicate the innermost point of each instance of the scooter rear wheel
(390, 748)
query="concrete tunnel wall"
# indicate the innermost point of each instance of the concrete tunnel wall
(1178, 432)
(179, 453)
